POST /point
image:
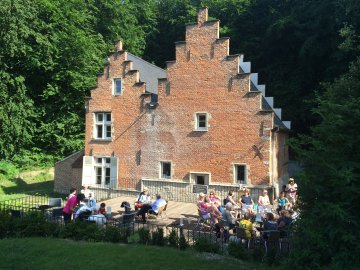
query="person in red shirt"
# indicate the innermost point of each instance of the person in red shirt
(102, 209)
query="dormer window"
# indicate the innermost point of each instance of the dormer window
(201, 122)
(117, 87)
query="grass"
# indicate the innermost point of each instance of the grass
(49, 253)
(27, 183)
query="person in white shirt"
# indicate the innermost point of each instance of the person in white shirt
(264, 200)
(89, 194)
(290, 190)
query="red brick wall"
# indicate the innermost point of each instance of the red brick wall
(202, 79)
(66, 176)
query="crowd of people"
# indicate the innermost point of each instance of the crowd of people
(243, 212)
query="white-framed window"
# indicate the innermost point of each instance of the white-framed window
(102, 170)
(240, 173)
(102, 125)
(201, 122)
(117, 87)
(165, 169)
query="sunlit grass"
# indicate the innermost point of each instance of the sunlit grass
(47, 253)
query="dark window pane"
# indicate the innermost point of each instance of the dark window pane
(166, 169)
(100, 117)
(107, 176)
(202, 120)
(240, 173)
(118, 87)
(108, 117)
(99, 131)
(108, 131)
(200, 180)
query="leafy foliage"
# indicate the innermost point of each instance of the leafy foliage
(328, 231)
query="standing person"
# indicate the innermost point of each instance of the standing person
(155, 206)
(87, 193)
(290, 190)
(69, 207)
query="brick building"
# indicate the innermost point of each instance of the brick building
(204, 121)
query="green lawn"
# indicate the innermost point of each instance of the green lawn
(48, 253)
(27, 183)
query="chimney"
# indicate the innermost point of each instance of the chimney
(202, 15)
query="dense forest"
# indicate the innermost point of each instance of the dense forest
(305, 51)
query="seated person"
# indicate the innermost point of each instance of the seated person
(228, 218)
(282, 202)
(247, 225)
(154, 207)
(246, 199)
(84, 211)
(87, 193)
(143, 198)
(284, 222)
(269, 224)
(264, 200)
(290, 190)
(102, 209)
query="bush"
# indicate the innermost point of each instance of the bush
(158, 237)
(144, 236)
(237, 250)
(258, 254)
(183, 244)
(173, 238)
(205, 245)
(8, 170)
(113, 234)
(83, 231)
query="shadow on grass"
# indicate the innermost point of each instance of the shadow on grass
(44, 188)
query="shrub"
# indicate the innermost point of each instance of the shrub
(7, 170)
(237, 250)
(183, 244)
(173, 238)
(157, 237)
(258, 254)
(205, 245)
(144, 236)
(112, 234)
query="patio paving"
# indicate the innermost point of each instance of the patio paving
(174, 211)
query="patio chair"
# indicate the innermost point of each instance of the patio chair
(57, 214)
(204, 218)
(161, 213)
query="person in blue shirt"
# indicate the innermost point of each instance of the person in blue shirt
(154, 207)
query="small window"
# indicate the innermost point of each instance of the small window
(102, 126)
(240, 173)
(165, 170)
(117, 87)
(201, 122)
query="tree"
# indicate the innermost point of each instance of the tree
(329, 229)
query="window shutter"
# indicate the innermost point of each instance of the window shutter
(113, 172)
(88, 170)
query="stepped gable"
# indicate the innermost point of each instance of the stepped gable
(118, 66)
(202, 44)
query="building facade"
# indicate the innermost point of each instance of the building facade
(205, 121)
